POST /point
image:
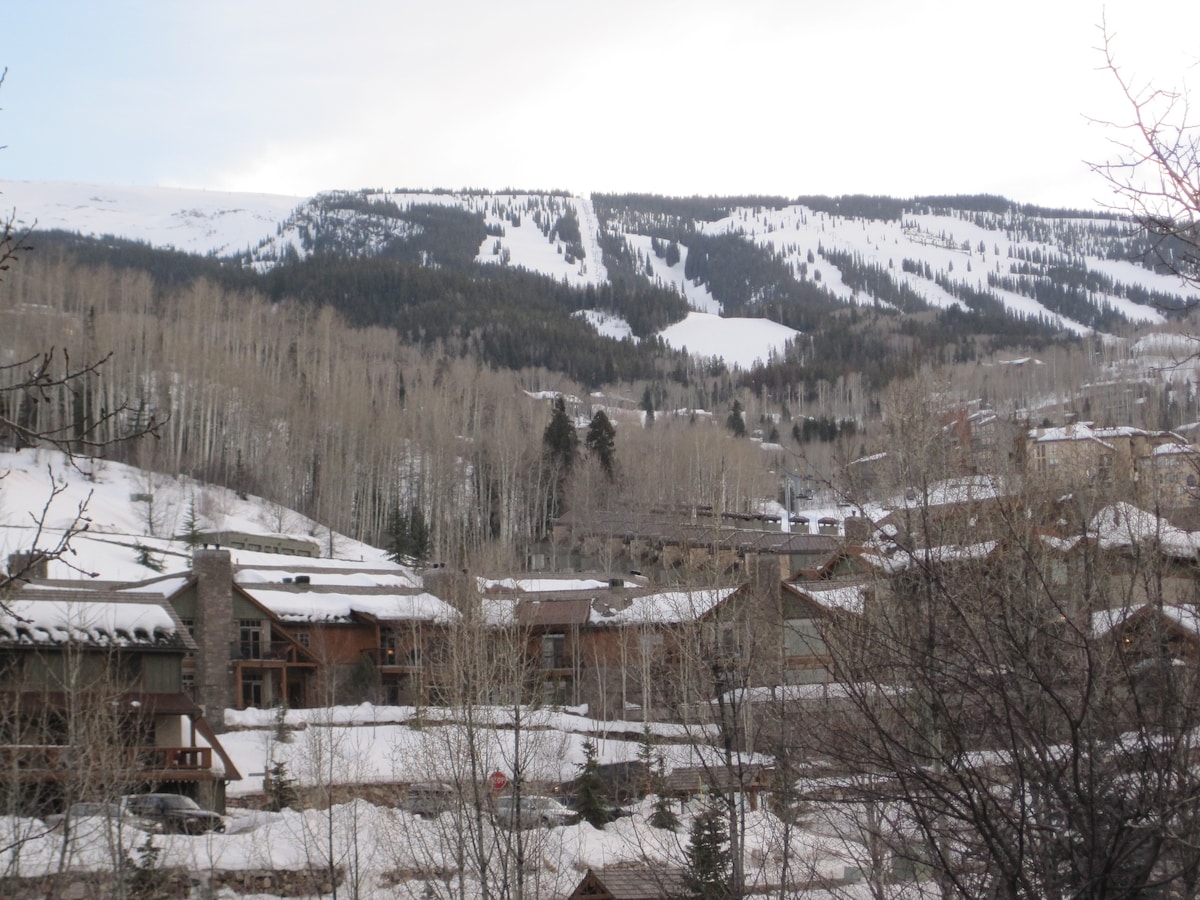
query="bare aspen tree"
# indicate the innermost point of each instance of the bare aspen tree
(995, 737)
(1155, 176)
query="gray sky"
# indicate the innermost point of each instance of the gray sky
(687, 97)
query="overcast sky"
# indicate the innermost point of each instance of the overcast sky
(687, 97)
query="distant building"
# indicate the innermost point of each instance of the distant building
(92, 698)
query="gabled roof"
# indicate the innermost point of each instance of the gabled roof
(690, 780)
(832, 595)
(632, 883)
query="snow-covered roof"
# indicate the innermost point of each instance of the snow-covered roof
(1174, 450)
(1186, 617)
(541, 585)
(666, 607)
(98, 622)
(1106, 620)
(328, 573)
(1125, 525)
(950, 491)
(949, 553)
(849, 598)
(333, 606)
(1077, 431)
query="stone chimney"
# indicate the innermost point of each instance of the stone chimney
(765, 571)
(215, 633)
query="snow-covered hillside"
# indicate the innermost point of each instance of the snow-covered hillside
(934, 259)
(202, 222)
(134, 519)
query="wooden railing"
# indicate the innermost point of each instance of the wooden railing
(56, 760)
(393, 659)
(264, 650)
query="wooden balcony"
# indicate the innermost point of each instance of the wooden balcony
(265, 651)
(394, 660)
(56, 762)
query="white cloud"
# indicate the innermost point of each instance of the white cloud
(666, 96)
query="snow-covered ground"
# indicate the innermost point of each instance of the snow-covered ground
(359, 745)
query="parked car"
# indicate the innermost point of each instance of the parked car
(90, 815)
(173, 813)
(429, 798)
(534, 810)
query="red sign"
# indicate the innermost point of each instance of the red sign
(498, 780)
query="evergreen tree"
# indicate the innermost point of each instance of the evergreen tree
(147, 557)
(408, 535)
(560, 445)
(663, 815)
(601, 442)
(589, 790)
(143, 877)
(560, 440)
(648, 405)
(280, 788)
(283, 734)
(736, 423)
(709, 862)
(191, 525)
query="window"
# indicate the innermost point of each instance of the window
(802, 637)
(556, 691)
(554, 651)
(187, 683)
(388, 648)
(250, 638)
(252, 689)
(728, 640)
(127, 669)
(302, 638)
(190, 625)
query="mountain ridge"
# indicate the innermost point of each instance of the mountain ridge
(789, 263)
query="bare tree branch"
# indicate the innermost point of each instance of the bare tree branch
(1156, 173)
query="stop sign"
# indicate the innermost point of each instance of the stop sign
(498, 780)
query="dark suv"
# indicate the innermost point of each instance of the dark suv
(173, 813)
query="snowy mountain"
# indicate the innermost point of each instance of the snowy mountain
(1070, 273)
